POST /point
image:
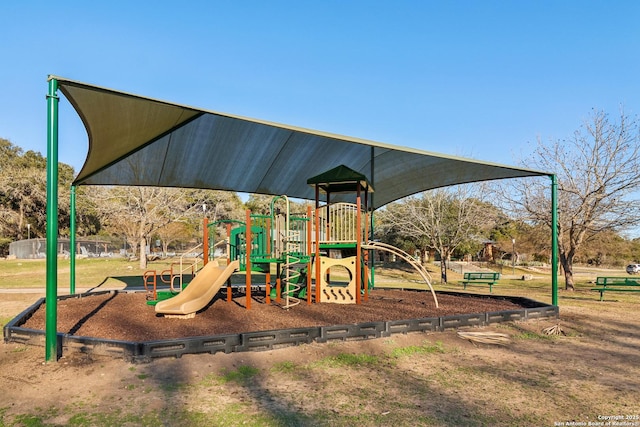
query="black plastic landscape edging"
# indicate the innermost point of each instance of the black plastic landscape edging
(269, 340)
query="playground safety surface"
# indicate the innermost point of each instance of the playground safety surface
(535, 380)
(125, 316)
(123, 322)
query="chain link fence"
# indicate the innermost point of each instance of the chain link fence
(37, 248)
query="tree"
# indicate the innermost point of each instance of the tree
(215, 205)
(442, 219)
(139, 212)
(598, 174)
(259, 203)
(88, 215)
(219, 204)
(173, 232)
(23, 193)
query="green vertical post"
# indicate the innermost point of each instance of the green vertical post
(72, 241)
(371, 231)
(51, 324)
(554, 240)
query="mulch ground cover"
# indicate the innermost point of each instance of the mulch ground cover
(126, 316)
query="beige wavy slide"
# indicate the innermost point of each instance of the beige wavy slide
(200, 291)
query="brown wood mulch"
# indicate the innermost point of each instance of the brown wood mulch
(126, 316)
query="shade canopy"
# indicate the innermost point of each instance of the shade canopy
(135, 140)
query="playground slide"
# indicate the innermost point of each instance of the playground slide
(200, 291)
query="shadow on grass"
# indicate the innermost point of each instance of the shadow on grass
(318, 393)
(407, 397)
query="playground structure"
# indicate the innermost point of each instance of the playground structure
(309, 252)
(127, 132)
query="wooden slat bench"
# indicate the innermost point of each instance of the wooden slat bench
(490, 278)
(616, 284)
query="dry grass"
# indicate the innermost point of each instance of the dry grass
(591, 370)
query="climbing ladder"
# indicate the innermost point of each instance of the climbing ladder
(291, 242)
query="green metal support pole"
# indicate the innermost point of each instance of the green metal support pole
(72, 241)
(51, 324)
(554, 240)
(373, 185)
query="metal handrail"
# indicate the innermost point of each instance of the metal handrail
(193, 266)
(404, 255)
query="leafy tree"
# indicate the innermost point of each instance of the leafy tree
(173, 232)
(23, 193)
(259, 203)
(88, 222)
(8, 152)
(219, 204)
(531, 240)
(609, 249)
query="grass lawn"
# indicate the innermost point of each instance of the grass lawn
(435, 379)
(90, 272)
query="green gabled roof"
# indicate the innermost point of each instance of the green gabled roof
(340, 179)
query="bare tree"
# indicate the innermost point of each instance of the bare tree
(139, 212)
(213, 204)
(598, 173)
(441, 219)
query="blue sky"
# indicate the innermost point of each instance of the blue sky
(480, 79)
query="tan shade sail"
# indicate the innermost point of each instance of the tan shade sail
(135, 140)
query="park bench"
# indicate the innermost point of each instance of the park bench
(473, 278)
(616, 284)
